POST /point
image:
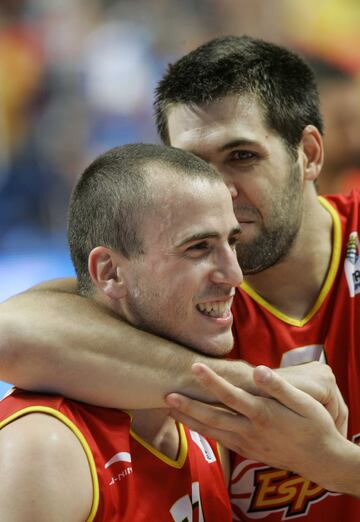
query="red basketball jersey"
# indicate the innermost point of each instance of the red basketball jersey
(330, 332)
(131, 480)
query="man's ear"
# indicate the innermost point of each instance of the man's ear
(106, 272)
(313, 152)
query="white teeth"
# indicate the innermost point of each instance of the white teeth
(215, 309)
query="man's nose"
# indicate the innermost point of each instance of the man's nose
(227, 270)
(229, 182)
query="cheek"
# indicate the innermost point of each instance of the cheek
(181, 281)
(186, 285)
(253, 187)
(183, 288)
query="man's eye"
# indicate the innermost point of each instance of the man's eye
(198, 249)
(199, 246)
(242, 155)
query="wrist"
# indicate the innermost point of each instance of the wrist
(238, 373)
(339, 469)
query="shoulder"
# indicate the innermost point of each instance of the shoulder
(40, 434)
(43, 461)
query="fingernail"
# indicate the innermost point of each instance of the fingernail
(263, 374)
(197, 369)
(173, 400)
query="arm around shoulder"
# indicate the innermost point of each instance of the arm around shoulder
(54, 340)
(42, 464)
(28, 326)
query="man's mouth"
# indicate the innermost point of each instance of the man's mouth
(218, 309)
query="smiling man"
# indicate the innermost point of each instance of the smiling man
(152, 235)
(251, 109)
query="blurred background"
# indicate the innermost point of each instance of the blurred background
(77, 77)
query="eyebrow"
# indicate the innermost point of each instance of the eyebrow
(240, 142)
(208, 235)
(236, 143)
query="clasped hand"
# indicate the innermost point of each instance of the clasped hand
(284, 427)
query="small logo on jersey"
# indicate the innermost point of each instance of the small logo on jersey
(352, 264)
(122, 456)
(204, 446)
(124, 473)
(259, 491)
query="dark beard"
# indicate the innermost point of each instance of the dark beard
(275, 240)
(265, 251)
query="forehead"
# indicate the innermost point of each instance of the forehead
(192, 127)
(186, 207)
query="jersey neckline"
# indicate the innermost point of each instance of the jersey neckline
(333, 269)
(182, 449)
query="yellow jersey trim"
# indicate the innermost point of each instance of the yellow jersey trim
(65, 420)
(183, 448)
(334, 265)
(219, 450)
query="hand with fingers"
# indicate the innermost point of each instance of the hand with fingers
(286, 429)
(318, 380)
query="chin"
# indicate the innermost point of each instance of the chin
(213, 346)
(218, 349)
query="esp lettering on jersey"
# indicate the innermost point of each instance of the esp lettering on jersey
(259, 491)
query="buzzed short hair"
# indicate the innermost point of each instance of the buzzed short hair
(113, 196)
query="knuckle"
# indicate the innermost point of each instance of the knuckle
(331, 376)
(228, 398)
(183, 405)
(344, 412)
(260, 416)
(276, 384)
(327, 372)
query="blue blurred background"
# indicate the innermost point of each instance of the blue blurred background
(77, 77)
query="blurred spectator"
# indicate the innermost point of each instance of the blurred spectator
(26, 186)
(117, 68)
(340, 102)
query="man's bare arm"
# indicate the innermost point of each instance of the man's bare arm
(54, 340)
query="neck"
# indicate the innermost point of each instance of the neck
(293, 285)
(157, 429)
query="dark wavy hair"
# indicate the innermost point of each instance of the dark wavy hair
(280, 80)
